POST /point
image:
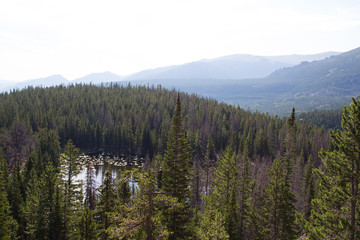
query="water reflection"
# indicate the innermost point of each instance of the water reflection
(100, 171)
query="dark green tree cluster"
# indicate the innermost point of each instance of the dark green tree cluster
(213, 171)
(335, 209)
(136, 120)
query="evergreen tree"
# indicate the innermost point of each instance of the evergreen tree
(90, 186)
(123, 187)
(87, 224)
(32, 203)
(16, 200)
(105, 205)
(212, 225)
(279, 203)
(141, 218)
(210, 158)
(280, 200)
(176, 178)
(48, 223)
(8, 226)
(72, 189)
(335, 211)
(246, 187)
(224, 192)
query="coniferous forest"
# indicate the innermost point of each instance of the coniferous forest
(212, 170)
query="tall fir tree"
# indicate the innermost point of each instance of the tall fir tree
(87, 224)
(224, 191)
(72, 189)
(336, 206)
(280, 203)
(8, 226)
(279, 198)
(141, 217)
(105, 205)
(246, 187)
(48, 223)
(176, 178)
(212, 224)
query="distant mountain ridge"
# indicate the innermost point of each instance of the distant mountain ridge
(49, 81)
(318, 85)
(96, 78)
(55, 80)
(238, 66)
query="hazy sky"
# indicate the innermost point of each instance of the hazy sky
(74, 38)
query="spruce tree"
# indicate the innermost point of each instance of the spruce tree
(87, 224)
(48, 216)
(336, 207)
(279, 203)
(212, 224)
(224, 192)
(8, 226)
(105, 205)
(72, 189)
(280, 200)
(246, 186)
(141, 217)
(176, 178)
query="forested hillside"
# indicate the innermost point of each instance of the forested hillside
(212, 170)
(330, 119)
(136, 120)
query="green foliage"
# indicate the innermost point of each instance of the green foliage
(330, 119)
(212, 225)
(105, 205)
(279, 203)
(87, 225)
(71, 189)
(224, 193)
(48, 223)
(336, 206)
(136, 120)
(141, 218)
(8, 226)
(176, 178)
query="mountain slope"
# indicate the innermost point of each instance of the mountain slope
(53, 80)
(95, 78)
(323, 84)
(228, 67)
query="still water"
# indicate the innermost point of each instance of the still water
(103, 162)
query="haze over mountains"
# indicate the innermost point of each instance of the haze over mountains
(268, 84)
(228, 67)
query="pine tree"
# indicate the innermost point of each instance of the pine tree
(16, 200)
(209, 164)
(72, 189)
(105, 205)
(141, 217)
(90, 187)
(336, 206)
(245, 194)
(8, 226)
(280, 200)
(123, 187)
(224, 192)
(48, 223)
(87, 224)
(212, 224)
(279, 203)
(176, 178)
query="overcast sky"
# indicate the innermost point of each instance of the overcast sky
(39, 38)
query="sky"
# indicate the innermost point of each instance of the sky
(74, 38)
